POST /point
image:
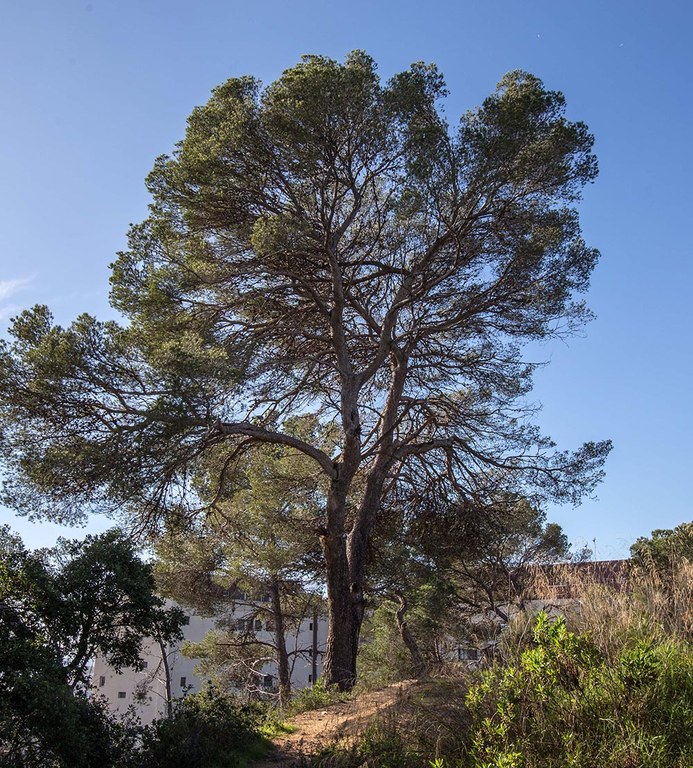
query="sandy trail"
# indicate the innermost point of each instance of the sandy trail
(338, 722)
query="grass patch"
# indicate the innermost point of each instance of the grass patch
(317, 696)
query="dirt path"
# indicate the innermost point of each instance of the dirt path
(339, 722)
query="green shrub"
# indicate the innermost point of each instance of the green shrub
(611, 684)
(207, 730)
(316, 696)
(568, 705)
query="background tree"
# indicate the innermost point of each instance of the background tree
(403, 585)
(407, 633)
(326, 245)
(458, 570)
(664, 549)
(254, 562)
(489, 559)
(257, 611)
(58, 608)
(108, 604)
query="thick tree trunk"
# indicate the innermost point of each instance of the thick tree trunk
(345, 566)
(343, 627)
(283, 671)
(344, 595)
(345, 561)
(407, 637)
(345, 553)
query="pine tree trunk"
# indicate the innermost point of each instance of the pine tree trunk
(280, 642)
(343, 626)
(167, 678)
(407, 637)
(345, 553)
(314, 648)
(345, 561)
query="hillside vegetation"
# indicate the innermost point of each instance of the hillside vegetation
(611, 683)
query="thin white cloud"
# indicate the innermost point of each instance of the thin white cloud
(10, 287)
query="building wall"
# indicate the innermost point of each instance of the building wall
(145, 690)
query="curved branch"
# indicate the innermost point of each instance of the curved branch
(262, 435)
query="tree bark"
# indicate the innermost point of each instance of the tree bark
(167, 678)
(283, 671)
(342, 631)
(314, 648)
(344, 594)
(345, 554)
(407, 637)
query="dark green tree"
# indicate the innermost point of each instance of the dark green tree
(326, 245)
(403, 584)
(488, 556)
(58, 609)
(108, 604)
(664, 549)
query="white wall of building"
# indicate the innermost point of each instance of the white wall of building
(145, 690)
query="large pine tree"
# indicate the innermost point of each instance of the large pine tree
(327, 245)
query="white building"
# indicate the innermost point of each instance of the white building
(146, 690)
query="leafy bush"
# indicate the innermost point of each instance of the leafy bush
(316, 696)
(567, 704)
(208, 730)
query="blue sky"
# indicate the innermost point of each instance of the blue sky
(93, 91)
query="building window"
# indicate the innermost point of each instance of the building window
(310, 678)
(183, 682)
(121, 694)
(258, 625)
(310, 653)
(268, 681)
(102, 681)
(310, 627)
(145, 664)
